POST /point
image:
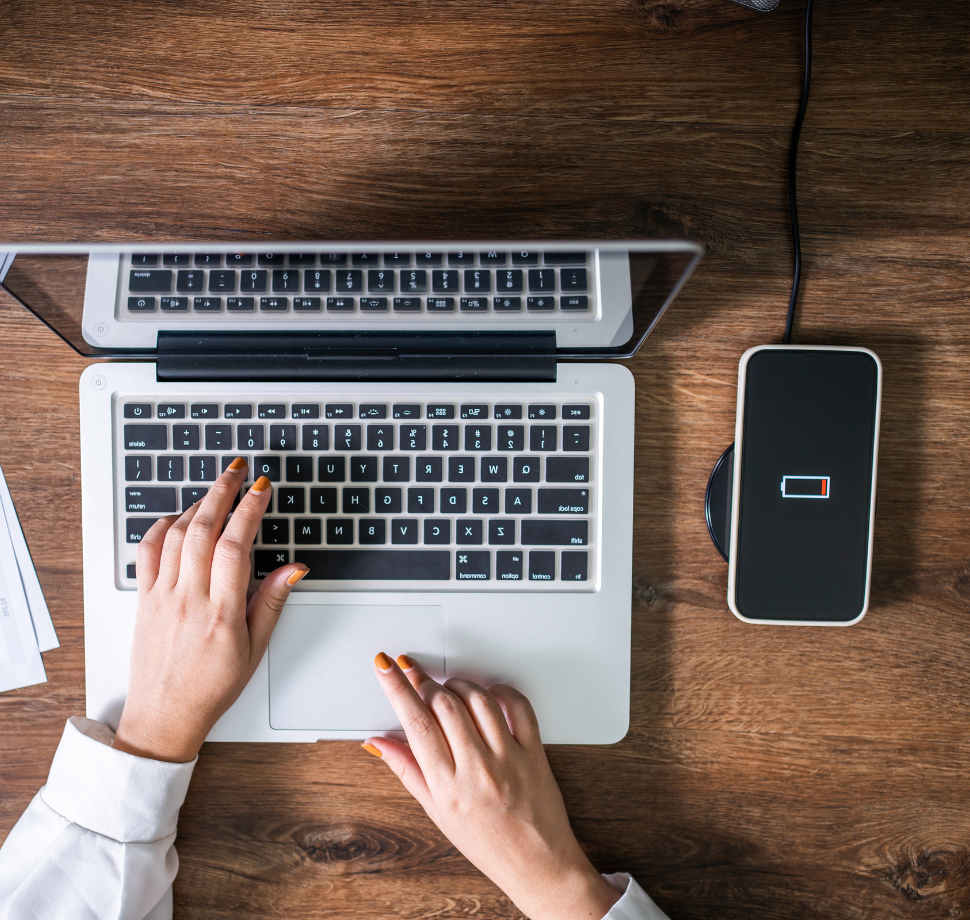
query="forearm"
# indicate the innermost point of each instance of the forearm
(97, 842)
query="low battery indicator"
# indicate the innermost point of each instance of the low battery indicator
(805, 487)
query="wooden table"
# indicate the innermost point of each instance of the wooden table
(768, 772)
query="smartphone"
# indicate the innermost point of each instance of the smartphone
(804, 491)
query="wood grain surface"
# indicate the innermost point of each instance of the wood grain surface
(768, 772)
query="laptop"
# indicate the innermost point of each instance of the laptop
(449, 436)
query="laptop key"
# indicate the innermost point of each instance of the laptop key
(454, 501)
(555, 533)
(307, 304)
(176, 258)
(414, 437)
(461, 469)
(485, 501)
(339, 531)
(281, 437)
(204, 410)
(138, 410)
(372, 531)
(575, 412)
(407, 304)
(250, 437)
(542, 437)
(540, 304)
(349, 281)
(139, 469)
(473, 304)
(207, 304)
(316, 437)
(525, 469)
(511, 437)
(387, 501)
(444, 281)
(437, 531)
(473, 565)
(567, 469)
(240, 304)
(291, 501)
(507, 304)
(299, 469)
(518, 501)
(501, 532)
(373, 304)
(276, 531)
(274, 304)
(285, 282)
(404, 530)
(427, 258)
(492, 258)
(185, 437)
(340, 304)
(573, 565)
(444, 437)
(339, 410)
(575, 437)
(307, 530)
(542, 565)
(222, 282)
(193, 494)
(346, 437)
(427, 469)
(478, 282)
(156, 281)
(376, 564)
(158, 499)
(144, 258)
(508, 565)
(202, 469)
(363, 469)
(414, 282)
(170, 469)
(253, 282)
(268, 560)
(503, 411)
(563, 501)
(441, 305)
(188, 282)
(218, 437)
(578, 303)
(136, 528)
(317, 282)
(565, 258)
(495, 469)
(478, 437)
(331, 469)
(209, 259)
(141, 304)
(468, 531)
(421, 501)
(238, 410)
(268, 467)
(525, 258)
(572, 279)
(174, 304)
(509, 281)
(271, 410)
(397, 469)
(146, 437)
(323, 501)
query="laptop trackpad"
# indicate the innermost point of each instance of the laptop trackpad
(321, 663)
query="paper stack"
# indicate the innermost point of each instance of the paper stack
(26, 629)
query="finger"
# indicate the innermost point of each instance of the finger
(266, 605)
(485, 712)
(519, 714)
(171, 559)
(459, 728)
(401, 760)
(205, 528)
(231, 565)
(428, 743)
(149, 552)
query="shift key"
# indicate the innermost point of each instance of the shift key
(567, 469)
(154, 499)
(158, 281)
(555, 533)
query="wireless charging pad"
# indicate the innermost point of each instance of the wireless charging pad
(717, 502)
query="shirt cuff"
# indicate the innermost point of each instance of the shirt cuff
(118, 795)
(635, 904)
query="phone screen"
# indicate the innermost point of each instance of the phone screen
(805, 484)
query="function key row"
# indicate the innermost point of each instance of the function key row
(404, 411)
(388, 259)
(145, 304)
(353, 280)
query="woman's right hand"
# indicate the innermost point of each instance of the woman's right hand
(476, 764)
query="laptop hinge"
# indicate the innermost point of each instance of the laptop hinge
(404, 356)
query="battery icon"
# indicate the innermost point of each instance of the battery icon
(805, 487)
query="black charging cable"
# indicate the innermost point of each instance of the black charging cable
(792, 167)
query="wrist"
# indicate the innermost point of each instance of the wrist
(154, 740)
(579, 893)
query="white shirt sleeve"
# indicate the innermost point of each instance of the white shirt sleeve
(97, 842)
(635, 904)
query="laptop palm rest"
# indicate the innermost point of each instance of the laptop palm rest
(321, 663)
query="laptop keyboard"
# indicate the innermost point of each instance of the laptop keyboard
(430, 284)
(499, 491)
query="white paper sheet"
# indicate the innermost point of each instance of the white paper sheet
(39, 613)
(20, 661)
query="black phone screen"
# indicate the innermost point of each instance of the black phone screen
(808, 446)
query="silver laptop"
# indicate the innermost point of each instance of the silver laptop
(450, 439)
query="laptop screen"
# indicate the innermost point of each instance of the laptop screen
(598, 299)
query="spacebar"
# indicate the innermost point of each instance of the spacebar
(376, 564)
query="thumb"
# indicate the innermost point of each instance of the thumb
(266, 604)
(399, 758)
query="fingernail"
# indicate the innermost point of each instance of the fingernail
(296, 576)
(372, 750)
(238, 464)
(404, 663)
(384, 664)
(260, 486)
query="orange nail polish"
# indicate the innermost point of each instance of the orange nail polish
(296, 576)
(384, 664)
(404, 663)
(372, 750)
(238, 464)
(260, 486)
